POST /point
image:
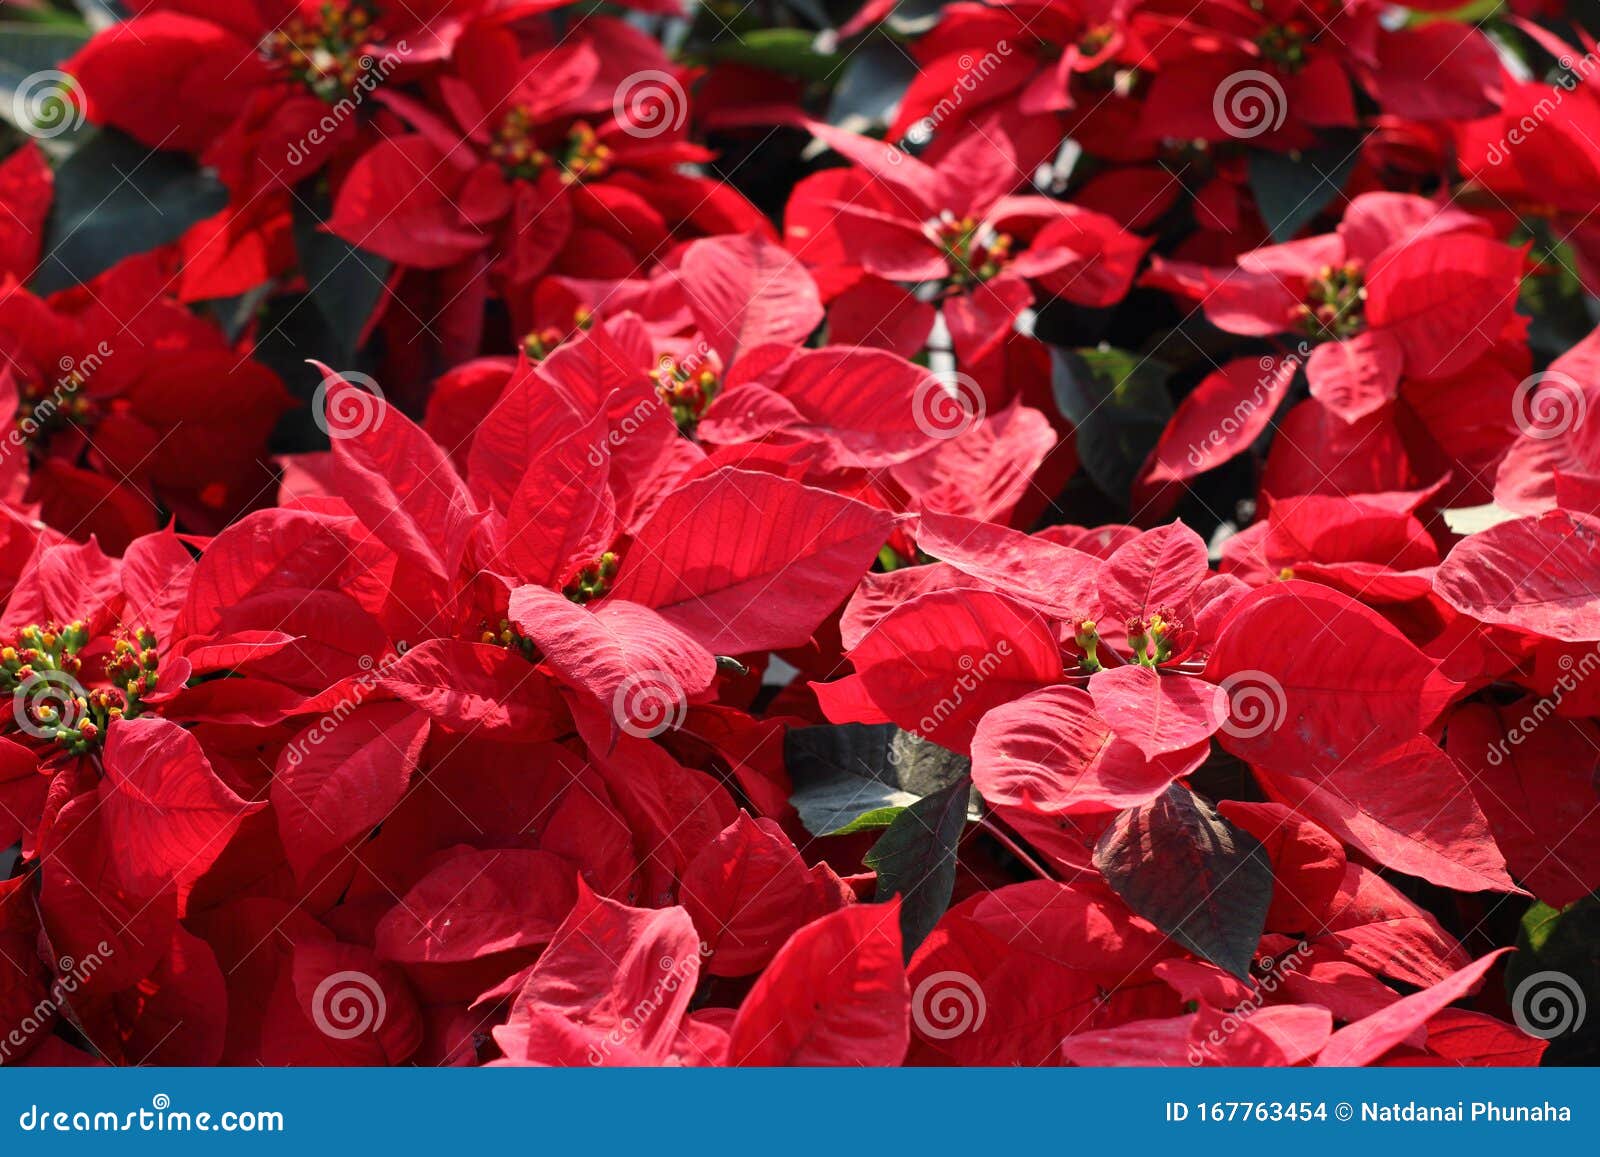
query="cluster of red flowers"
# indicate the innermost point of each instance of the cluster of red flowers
(1094, 561)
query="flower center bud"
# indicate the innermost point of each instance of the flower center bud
(505, 634)
(47, 408)
(41, 668)
(586, 156)
(974, 252)
(330, 51)
(1285, 44)
(593, 580)
(516, 149)
(687, 390)
(1087, 639)
(541, 343)
(1094, 40)
(1153, 639)
(1335, 304)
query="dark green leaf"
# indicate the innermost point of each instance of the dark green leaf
(854, 776)
(789, 51)
(916, 859)
(1292, 188)
(343, 282)
(811, 10)
(1192, 874)
(289, 332)
(870, 86)
(115, 198)
(32, 87)
(1119, 403)
(1553, 980)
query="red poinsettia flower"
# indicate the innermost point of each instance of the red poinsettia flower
(127, 408)
(956, 227)
(266, 91)
(1018, 66)
(1281, 69)
(720, 343)
(541, 161)
(1403, 289)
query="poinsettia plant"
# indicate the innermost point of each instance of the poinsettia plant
(1061, 533)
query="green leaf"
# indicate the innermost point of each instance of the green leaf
(115, 198)
(1553, 980)
(1118, 401)
(343, 282)
(859, 776)
(1292, 188)
(790, 51)
(916, 859)
(875, 820)
(1192, 874)
(30, 79)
